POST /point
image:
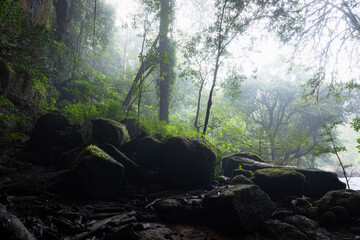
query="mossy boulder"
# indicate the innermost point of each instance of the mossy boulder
(187, 163)
(244, 172)
(279, 230)
(52, 135)
(279, 182)
(232, 162)
(237, 207)
(241, 179)
(147, 153)
(109, 131)
(348, 199)
(96, 175)
(318, 183)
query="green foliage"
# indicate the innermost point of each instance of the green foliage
(5, 103)
(355, 124)
(81, 112)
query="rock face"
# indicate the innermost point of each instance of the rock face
(238, 207)
(316, 184)
(109, 131)
(348, 199)
(279, 182)
(147, 153)
(52, 135)
(187, 163)
(96, 175)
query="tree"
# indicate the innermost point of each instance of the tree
(330, 27)
(167, 57)
(331, 145)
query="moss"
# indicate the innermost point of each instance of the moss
(90, 150)
(241, 179)
(277, 173)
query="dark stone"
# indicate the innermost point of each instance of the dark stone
(109, 131)
(179, 211)
(52, 135)
(244, 172)
(312, 213)
(232, 162)
(317, 182)
(187, 163)
(237, 207)
(348, 199)
(279, 230)
(328, 219)
(304, 224)
(241, 179)
(130, 166)
(341, 213)
(148, 153)
(96, 175)
(279, 182)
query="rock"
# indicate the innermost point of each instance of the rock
(304, 224)
(52, 135)
(279, 182)
(96, 175)
(244, 172)
(248, 155)
(279, 230)
(341, 213)
(328, 219)
(317, 182)
(179, 211)
(187, 163)
(237, 207)
(232, 162)
(147, 153)
(312, 213)
(131, 168)
(109, 131)
(348, 199)
(241, 179)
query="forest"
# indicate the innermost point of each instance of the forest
(269, 80)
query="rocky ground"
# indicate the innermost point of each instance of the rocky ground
(54, 186)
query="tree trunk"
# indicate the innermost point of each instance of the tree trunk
(198, 106)
(165, 59)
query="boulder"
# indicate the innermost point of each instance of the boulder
(96, 175)
(304, 224)
(237, 207)
(232, 162)
(52, 135)
(147, 153)
(279, 182)
(130, 166)
(348, 199)
(109, 131)
(280, 230)
(317, 182)
(244, 172)
(241, 179)
(328, 219)
(187, 163)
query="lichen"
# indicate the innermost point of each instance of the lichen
(97, 151)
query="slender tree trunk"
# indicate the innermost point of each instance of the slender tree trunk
(207, 117)
(198, 106)
(165, 59)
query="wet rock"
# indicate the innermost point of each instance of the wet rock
(328, 219)
(96, 175)
(241, 179)
(279, 230)
(237, 207)
(341, 213)
(52, 135)
(232, 162)
(147, 152)
(279, 182)
(179, 210)
(131, 167)
(244, 172)
(109, 131)
(304, 224)
(348, 199)
(187, 163)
